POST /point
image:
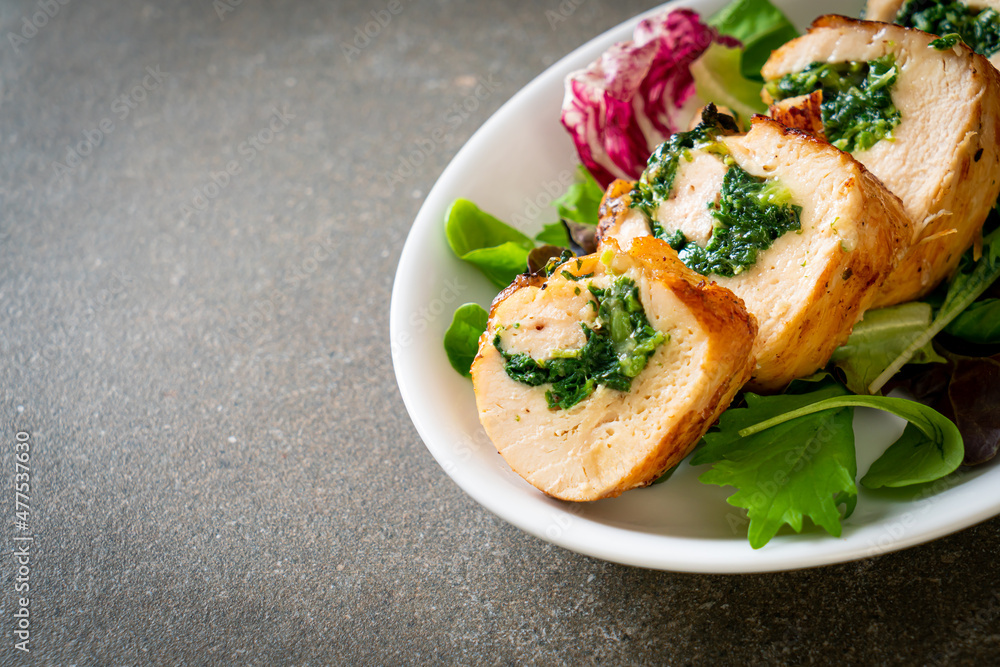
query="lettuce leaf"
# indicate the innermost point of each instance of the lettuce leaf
(979, 323)
(879, 338)
(730, 76)
(760, 26)
(554, 234)
(629, 101)
(717, 79)
(968, 284)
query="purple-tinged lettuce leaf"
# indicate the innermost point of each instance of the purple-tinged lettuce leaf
(966, 391)
(636, 94)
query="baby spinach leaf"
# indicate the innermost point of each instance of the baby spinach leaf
(582, 200)
(496, 248)
(910, 461)
(879, 338)
(461, 340)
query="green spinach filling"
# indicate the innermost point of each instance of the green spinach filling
(751, 214)
(654, 186)
(857, 106)
(617, 349)
(980, 29)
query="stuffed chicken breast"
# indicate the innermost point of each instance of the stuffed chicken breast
(797, 229)
(597, 379)
(976, 21)
(922, 115)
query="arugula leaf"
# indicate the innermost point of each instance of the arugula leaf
(554, 234)
(803, 467)
(879, 338)
(497, 249)
(461, 340)
(760, 26)
(582, 200)
(979, 323)
(972, 279)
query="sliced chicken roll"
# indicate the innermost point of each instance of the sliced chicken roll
(797, 229)
(977, 22)
(924, 117)
(601, 377)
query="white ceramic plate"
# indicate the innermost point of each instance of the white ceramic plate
(511, 167)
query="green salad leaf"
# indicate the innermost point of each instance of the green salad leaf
(935, 444)
(496, 248)
(879, 338)
(799, 468)
(461, 340)
(554, 234)
(972, 279)
(582, 200)
(717, 79)
(979, 323)
(730, 76)
(910, 460)
(792, 455)
(761, 27)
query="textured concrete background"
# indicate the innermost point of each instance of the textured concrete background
(222, 468)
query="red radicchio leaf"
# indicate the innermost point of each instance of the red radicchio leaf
(621, 107)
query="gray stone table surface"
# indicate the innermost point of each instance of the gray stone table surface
(222, 468)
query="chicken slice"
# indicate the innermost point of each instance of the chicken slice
(888, 10)
(612, 440)
(811, 286)
(943, 158)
